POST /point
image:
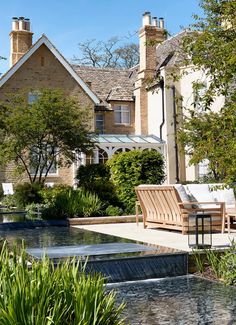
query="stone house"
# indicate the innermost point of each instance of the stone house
(127, 111)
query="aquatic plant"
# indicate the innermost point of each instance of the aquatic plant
(43, 294)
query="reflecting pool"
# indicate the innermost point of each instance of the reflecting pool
(181, 300)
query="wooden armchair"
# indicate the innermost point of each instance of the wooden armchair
(162, 207)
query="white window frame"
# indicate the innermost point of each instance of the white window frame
(99, 118)
(51, 174)
(122, 112)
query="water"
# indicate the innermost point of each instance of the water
(181, 300)
(12, 217)
(118, 259)
(57, 236)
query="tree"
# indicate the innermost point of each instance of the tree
(209, 135)
(39, 135)
(211, 46)
(108, 54)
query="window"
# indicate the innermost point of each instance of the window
(122, 114)
(103, 156)
(45, 157)
(99, 123)
(199, 92)
(203, 168)
(32, 97)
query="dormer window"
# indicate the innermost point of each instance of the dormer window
(122, 114)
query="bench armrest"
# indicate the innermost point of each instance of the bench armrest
(197, 202)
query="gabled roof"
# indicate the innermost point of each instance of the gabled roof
(108, 83)
(44, 40)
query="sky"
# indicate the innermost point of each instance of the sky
(69, 22)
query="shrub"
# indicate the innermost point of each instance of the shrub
(95, 178)
(113, 211)
(45, 294)
(27, 193)
(49, 193)
(129, 169)
(34, 210)
(69, 203)
(9, 201)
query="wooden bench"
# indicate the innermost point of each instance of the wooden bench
(162, 207)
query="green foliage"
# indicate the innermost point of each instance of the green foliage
(199, 261)
(133, 168)
(42, 134)
(46, 295)
(211, 136)
(228, 266)
(222, 264)
(214, 261)
(27, 193)
(113, 211)
(95, 178)
(211, 47)
(71, 203)
(9, 201)
(49, 193)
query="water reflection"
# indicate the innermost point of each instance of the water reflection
(181, 300)
(57, 236)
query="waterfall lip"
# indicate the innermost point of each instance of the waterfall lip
(90, 250)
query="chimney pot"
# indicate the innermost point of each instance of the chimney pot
(21, 23)
(146, 18)
(15, 23)
(161, 23)
(154, 21)
(27, 24)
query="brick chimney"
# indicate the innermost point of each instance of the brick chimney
(20, 37)
(151, 33)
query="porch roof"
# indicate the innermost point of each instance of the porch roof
(127, 139)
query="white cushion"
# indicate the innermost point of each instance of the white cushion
(199, 192)
(182, 193)
(223, 195)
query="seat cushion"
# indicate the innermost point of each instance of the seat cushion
(223, 195)
(200, 193)
(183, 195)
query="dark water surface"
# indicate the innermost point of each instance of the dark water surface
(57, 236)
(181, 300)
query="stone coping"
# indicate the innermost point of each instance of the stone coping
(102, 220)
(32, 224)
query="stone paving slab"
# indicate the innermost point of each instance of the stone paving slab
(170, 239)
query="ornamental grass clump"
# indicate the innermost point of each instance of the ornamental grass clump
(43, 294)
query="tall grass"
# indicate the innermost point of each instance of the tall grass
(46, 295)
(221, 264)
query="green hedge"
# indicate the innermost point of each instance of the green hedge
(129, 169)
